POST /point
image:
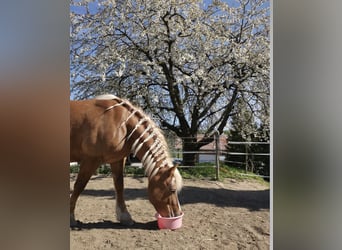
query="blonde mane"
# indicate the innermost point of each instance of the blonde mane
(158, 152)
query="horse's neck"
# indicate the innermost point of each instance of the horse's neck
(148, 144)
(152, 155)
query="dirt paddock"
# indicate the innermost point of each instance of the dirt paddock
(217, 215)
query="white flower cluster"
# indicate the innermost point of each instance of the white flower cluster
(175, 54)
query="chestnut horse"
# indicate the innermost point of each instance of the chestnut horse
(106, 130)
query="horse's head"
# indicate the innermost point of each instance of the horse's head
(162, 191)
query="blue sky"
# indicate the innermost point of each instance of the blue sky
(94, 5)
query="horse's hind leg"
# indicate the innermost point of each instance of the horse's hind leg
(122, 213)
(87, 168)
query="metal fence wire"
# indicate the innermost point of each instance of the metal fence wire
(251, 156)
(248, 155)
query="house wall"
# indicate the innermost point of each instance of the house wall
(206, 158)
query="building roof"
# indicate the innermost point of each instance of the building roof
(211, 146)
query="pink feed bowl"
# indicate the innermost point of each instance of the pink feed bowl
(169, 222)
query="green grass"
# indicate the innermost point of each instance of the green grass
(129, 171)
(208, 171)
(74, 169)
(101, 170)
(134, 171)
(200, 171)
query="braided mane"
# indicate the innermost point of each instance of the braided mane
(157, 155)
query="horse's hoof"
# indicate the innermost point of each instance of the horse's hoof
(73, 223)
(124, 217)
(127, 222)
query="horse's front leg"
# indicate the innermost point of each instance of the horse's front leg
(122, 213)
(87, 168)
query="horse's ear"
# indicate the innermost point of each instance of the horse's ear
(172, 184)
(172, 170)
(176, 180)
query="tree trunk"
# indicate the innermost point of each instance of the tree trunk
(189, 145)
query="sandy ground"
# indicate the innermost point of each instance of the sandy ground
(217, 215)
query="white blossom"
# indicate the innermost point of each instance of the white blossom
(146, 46)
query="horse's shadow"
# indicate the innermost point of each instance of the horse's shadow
(253, 200)
(107, 224)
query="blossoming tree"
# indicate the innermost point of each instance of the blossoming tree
(191, 64)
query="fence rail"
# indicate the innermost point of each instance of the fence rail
(219, 155)
(246, 142)
(211, 152)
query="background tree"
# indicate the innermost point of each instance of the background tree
(262, 162)
(185, 62)
(245, 129)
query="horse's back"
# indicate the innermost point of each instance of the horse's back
(93, 131)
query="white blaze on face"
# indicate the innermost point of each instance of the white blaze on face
(179, 181)
(106, 97)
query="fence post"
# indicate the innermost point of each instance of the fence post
(246, 159)
(217, 148)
